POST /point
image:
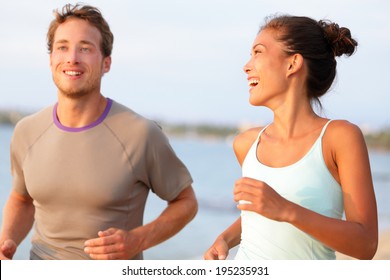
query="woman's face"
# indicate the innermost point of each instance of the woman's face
(267, 70)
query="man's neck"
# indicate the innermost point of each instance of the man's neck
(80, 112)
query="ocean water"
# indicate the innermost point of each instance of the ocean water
(214, 169)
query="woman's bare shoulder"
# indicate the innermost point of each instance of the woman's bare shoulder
(344, 135)
(343, 130)
(248, 135)
(244, 141)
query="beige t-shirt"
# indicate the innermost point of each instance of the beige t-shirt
(89, 179)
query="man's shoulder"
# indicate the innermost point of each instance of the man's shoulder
(31, 127)
(120, 112)
(36, 121)
(123, 119)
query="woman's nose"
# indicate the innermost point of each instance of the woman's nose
(246, 68)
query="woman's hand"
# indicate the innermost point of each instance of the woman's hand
(218, 251)
(257, 196)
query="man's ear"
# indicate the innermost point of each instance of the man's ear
(107, 64)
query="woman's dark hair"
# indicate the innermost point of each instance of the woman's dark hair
(84, 12)
(319, 42)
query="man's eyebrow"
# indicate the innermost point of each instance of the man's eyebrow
(84, 42)
(61, 41)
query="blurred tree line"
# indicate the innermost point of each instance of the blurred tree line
(374, 140)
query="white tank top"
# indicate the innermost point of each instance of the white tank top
(308, 183)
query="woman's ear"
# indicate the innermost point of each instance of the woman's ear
(295, 64)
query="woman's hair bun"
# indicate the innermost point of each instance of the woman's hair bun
(339, 38)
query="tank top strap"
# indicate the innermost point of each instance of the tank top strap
(321, 135)
(261, 132)
(324, 129)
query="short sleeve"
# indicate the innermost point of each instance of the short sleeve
(167, 174)
(16, 157)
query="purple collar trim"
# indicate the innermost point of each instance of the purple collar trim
(79, 129)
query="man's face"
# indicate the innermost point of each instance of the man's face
(76, 61)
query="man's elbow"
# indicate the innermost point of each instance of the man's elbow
(194, 208)
(188, 194)
(191, 203)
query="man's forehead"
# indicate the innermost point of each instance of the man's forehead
(77, 30)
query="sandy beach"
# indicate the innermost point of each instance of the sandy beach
(383, 252)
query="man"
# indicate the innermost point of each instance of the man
(82, 169)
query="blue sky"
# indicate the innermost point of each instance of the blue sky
(181, 61)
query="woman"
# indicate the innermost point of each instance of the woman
(302, 171)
